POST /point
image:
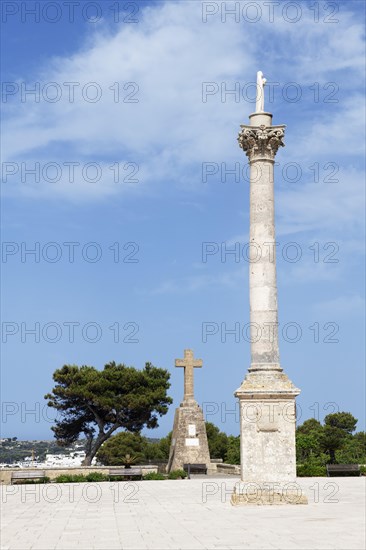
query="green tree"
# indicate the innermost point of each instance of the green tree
(233, 450)
(353, 450)
(342, 420)
(114, 451)
(164, 445)
(310, 427)
(360, 438)
(338, 428)
(334, 438)
(307, 445)
(97, 403)
(308, 437)
(152, 451)
(217, 441)
(331, 440)
(159, 450)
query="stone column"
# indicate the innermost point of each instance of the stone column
(261, 141)
(266, 396)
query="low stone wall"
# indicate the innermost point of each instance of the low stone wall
(213, 468)
(52, 473)
(232, 469)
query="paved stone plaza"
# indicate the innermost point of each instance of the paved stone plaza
(190, 514)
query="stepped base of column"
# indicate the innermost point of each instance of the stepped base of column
(256, 494)
(266, 380)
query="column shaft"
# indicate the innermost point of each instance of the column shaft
(262, 267)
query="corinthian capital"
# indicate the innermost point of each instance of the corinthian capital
(261, 141)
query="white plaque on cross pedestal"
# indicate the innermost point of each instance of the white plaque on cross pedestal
(192, 430)
(192, 442)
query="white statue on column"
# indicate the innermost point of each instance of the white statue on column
(259, 104)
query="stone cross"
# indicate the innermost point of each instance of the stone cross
(189, 363)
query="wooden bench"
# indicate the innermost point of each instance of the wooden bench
(343, 469)
(195, 469)
(125, 472)
(27, 474)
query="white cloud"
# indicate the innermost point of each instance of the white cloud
(170, 131)
(231, 279)
(168, 55)
(341, 307)
(309, 272)
(331, 135)
(323, 206)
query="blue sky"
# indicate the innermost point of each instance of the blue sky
(150, 278)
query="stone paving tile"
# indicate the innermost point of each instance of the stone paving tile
(173, 515)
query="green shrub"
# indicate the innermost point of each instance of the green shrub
(81, 478)
(97, 476)
(123, 478)
(311, 470)
(154, 475)
(33, 481)
(70, 478)
(363, 470)
(177, 474)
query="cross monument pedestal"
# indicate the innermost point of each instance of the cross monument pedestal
(189, 439)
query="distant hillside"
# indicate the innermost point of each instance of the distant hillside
(12, 450)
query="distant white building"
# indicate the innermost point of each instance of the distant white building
(73, 460)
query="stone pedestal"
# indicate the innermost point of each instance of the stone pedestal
(266, 396)
(189, 439)
(267, 428)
